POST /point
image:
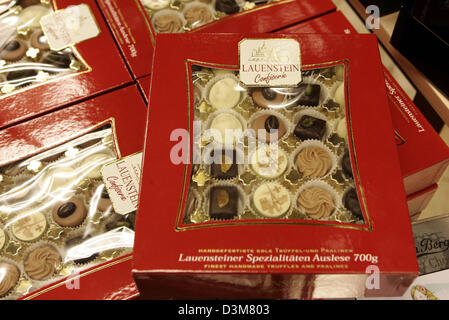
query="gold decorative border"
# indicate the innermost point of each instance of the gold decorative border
(212, 23)
(366, 227)
(57, 78)
(69, 278)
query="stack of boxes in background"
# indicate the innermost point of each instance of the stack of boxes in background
(59, 96)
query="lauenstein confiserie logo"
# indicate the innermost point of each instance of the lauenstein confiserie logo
(270, 62)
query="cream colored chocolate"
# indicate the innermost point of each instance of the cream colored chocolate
(42, 263)
(30, 17)
(14, 50)
(168, 23)
(269, 162)
(39, 40)
(263, 102)
(226, 123)
(342, 129)
(225, 94)
(156, 4)
(339, 96)
(2, 238)
(316, 202)
(30, 226)
(198, 15)
(314, 162)
(70, 213)
(260, 126)
(93, 164)
(271, 200)
(9, 276)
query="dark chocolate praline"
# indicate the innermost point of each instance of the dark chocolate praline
(224, 169)
(308, 95)
(346, 165)
(309, 127)
(351, 202)
(227, 6)
(223, 202)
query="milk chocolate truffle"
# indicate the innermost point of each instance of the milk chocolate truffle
(316, 202)
(227, 6)
(269, 162)
(198, 15)
(42, 263)
(13, 50)
(223, 202)
(267, 98)
(226, 123)
(309, 127)
(314, 162)
(351, 202)
(155, 4)
(308, 95)
(271, 200)
(346, 165)
(2, 238)
(226, 167)
(29, 226)
(268, 128)
(70, 213)
(168, 23)
(39, 40)
(224, 94)
(9, 276)
(93, 164)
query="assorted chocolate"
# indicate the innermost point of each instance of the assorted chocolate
(173, 16)
(25, 57)
(272, 153)
(56, 217)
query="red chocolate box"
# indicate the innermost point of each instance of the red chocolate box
(423, 155)
(317, 226)
(45, 64)
(135, 23)
(60, 238)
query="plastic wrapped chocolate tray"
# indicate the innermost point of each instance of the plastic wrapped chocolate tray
(25, 56)
(174, 16)
(271, 154)
(56, 218)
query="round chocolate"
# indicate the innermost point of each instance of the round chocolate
(2, 238)
(30, 226)
(267, 98)
(227, 6)
(10, 275)
(271, 200)
(168, 22)
(70, 214)
(13, 50)
(265, 124)
(42, 263)
(351, 203)
(269, 94)
(346, 165)
(39, 40)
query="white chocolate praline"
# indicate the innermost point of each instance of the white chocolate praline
(225, 94)
(269, 162)
(271, 200)
(30, 226)
(156, 4)
(339, 96)
(2, 238)
(92, 165)
(227, 128)
(341, 129)
(31, 16)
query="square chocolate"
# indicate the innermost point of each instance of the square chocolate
(227, 168)
(309, 127)
(223, 202)
(309, 95)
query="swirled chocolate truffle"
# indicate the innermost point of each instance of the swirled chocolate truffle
(13, 50)
(198, 15)
(309, 127)
(351, 202)
(39, 40)
(316, 202)
(9, 276)
(42, 263)
(70, 214)
(227, 6)
(271, 200)
(268, 128)
(168, 23)
(314, 162)
(267, 98)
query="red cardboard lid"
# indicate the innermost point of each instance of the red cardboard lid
(106, 70)
(161, 236)
(112, 279)
(334, 22)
